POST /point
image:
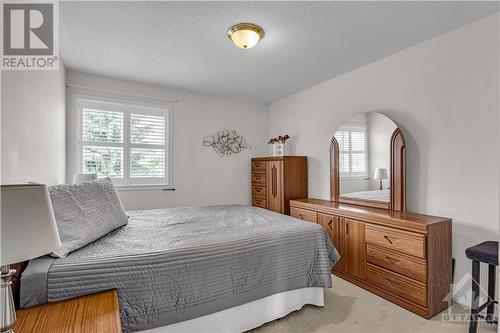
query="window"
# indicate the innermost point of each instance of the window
(353, 151)
(126, 142)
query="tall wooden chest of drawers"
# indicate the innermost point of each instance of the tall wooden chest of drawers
(277, 180)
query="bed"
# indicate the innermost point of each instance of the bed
(376, 195)
(184, 267)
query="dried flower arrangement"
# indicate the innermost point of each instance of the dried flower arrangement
(279, 139)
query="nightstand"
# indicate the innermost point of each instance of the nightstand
(92, 313)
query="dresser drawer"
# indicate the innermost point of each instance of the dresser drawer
(406, 242)
(258, 179)
(409, 266)
(304, 214)
(258, 166)
(259, 191)
(397, 284)
(259, 202)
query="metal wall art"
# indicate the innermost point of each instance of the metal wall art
(226, 142)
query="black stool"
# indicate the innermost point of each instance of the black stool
(486, 252)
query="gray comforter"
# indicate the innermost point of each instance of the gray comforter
(171, 265)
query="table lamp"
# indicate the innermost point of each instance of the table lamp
(28, 230)
(380, 173)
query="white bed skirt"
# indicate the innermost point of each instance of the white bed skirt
(250, 315)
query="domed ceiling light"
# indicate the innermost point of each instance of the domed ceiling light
(245, 35)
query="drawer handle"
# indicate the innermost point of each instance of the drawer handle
(392, 260)
(388, 239)
(274, 181)
(330, 223)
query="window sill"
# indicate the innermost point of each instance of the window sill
(144, 188)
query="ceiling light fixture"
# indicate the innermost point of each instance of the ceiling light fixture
(245, 35)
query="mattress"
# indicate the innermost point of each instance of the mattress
(378, 195)
(171, 265)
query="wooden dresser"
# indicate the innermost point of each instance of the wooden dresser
(277, 180)
(403, 257)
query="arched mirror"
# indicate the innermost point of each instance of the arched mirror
(367, 162)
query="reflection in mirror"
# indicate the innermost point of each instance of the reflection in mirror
(364, 156)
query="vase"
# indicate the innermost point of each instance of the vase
(280, 149)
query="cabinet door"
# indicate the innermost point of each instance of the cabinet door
(326, 221)
(354, 255)
(332, 226)
(274, 179)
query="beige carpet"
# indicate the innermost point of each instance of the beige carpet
(351, 309)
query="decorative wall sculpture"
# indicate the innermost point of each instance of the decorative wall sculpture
(226, 142)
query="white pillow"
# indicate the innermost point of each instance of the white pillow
(85, 212)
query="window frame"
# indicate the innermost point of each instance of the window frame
(354, 175)
(127, 107)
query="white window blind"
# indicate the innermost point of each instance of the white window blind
(127, 142)
(353, 150)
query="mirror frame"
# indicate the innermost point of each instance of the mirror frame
(397, 182)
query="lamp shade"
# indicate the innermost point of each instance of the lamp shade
(28, 226)
(380, 173)
(84, 177)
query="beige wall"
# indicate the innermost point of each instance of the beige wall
(444, 93)
(200, 176)
(33, 127)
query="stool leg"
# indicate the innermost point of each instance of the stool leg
(475, 297)
(491, 292)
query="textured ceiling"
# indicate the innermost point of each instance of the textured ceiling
(184, 44)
